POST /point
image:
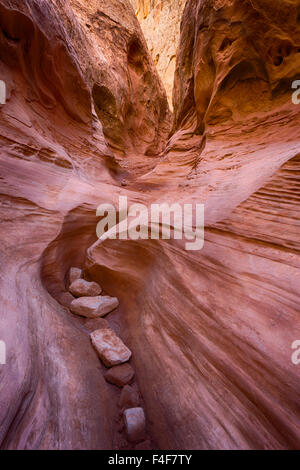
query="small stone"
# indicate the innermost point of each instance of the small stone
(135, 424)
(146, 445)
(110, 348)
(82, 288)
(129, 398)
(74, 274)
(94, 307)
(120, 375)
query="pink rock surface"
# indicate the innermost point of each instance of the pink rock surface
(82, 288)
(93, 307)
(74, 274)
(96, 324)
(86, 120)
(56, 168)
(135, 424)
(120, 375)
(145, 445)
(218, 324)
(129, 398)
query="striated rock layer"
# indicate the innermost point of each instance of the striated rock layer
(58, 60)
(86, 120)
(160, 22)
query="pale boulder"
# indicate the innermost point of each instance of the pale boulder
(94, 307)
(74, 274)
(110, 348)
(135, 424)
(82, 288)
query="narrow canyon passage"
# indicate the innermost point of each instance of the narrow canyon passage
(86, 120)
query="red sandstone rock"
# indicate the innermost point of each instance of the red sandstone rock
(120, 375)
(74, 274)
(96, 324)
(135, 424)
(110, 348)
(93, 307)
(216, 324)
(160, 21)
(82, 288)
(65, 299)
(55, 170)
(146, 445)
(213, 322)
(129, 398)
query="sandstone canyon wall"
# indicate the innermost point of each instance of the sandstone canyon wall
(87, 120)
(58, 161)
(160, 22)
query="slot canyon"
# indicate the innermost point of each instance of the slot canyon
(160, 101)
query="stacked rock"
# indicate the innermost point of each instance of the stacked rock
(112, 351)
(115, 356)
(89, 303)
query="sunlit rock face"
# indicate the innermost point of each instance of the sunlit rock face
(85, 120)
(160, 21)
(84, 106)
(219, 324)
